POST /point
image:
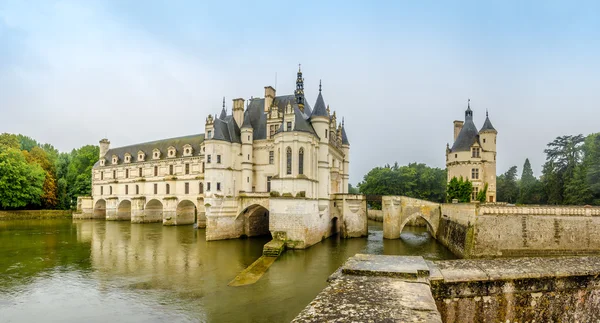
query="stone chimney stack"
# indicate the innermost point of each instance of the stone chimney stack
(269, 97)
(104, 147)
(457, 128)
(238, 111)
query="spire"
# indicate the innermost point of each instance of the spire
(486, 113)
(299, 92)
(319, 85)
(468, 112)
(487, 125)
(223, 111)
(344, 136)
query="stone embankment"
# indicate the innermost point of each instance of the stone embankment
(34, 214)
(374, 288)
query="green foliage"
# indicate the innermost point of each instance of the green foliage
(507, 189)
(481, 196)
(459, 189)
(414, 180)
(352, 189)
(563, 156)
(9, 140)
(530, 191)
(21, 183)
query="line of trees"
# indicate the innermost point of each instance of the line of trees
(570, 176)
(414, 180)
(35, 175)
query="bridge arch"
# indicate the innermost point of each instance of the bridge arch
(253, 221)
(185, 212)
(432, 229)
(100, 209)
(124, 210)
(153, 211)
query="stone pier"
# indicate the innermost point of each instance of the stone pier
(373, 288)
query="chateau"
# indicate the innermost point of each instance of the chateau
(274, 165)
(473, 154)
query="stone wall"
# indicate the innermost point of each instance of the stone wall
(351, 211)
(471, 230)
(34, 214)
(399, 211)
(375, 288)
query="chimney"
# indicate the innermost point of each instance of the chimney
(238, 111)
(104, 146)
(457, 128)
(269, 97)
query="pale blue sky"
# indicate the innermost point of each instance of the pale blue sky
(72, 72)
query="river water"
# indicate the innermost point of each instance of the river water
(99, 271)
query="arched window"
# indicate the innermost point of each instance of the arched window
(301, 161)
(289, 161)
(110, 190)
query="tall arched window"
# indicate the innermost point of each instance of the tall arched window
(289, 161)
(301, 161)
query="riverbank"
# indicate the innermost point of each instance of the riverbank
(35, 214)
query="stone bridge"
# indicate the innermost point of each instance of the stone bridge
(471, 230)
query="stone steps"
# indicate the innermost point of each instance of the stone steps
(273, 248)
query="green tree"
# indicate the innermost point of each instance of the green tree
(459, 189)
(352, 189)
(9, 140)
(563, 155)
(529, 186)
(592, 166)
(21, 183)
(507, 189)
(481, 196)
(79, 172)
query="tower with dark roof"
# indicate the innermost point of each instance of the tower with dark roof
(473, 154)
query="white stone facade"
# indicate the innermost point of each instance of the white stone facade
(473, 155)
(272, 165)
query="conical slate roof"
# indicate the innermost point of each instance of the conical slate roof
(487, 125)
(344, 136)
(468, 135)
(320, 109)
(223, 114)
(247, 122)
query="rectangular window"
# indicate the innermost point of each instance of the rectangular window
(272, 130)
(155, 170)
(325, 133)
(137, 189)
(209, 134)
(269, 183)
(187, 169)
(218, 186)
(475, 173)
(475, 153)
(101, 175)
(218, 159)
(474, 194)
(155, 189)
(101, 190)
(110, 190)
(202, 167)
(208, 186)
(114, 174)
(187, 188)
(289, 126)
(201, 188)
(127, 173)
(126, 189)
(208, 157)
(170, 169)
(271, 157)
(168, 189)
(140, 172)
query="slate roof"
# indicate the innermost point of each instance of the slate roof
(147, 147)
(467, 136)
(344, 137)
(487, 125)
(320, 108)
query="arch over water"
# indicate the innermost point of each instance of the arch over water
(153, 211)
(100, 209)
(254, 221)
(335, 229)
(124, 210)
(185, 212)
(415, 215)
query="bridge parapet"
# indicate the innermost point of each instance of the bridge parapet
(540, 210)
(399, 210)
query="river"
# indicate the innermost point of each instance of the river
(99, 271)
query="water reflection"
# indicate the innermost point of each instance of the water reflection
(98, 271)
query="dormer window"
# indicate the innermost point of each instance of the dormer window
(172, 152)
(155, 154)
(187, 150)
(127, 158)
(209, 134)
(102, 162)
(475, 152)
(115, 159)
(141, 156)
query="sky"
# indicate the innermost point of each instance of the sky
(399, 72)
